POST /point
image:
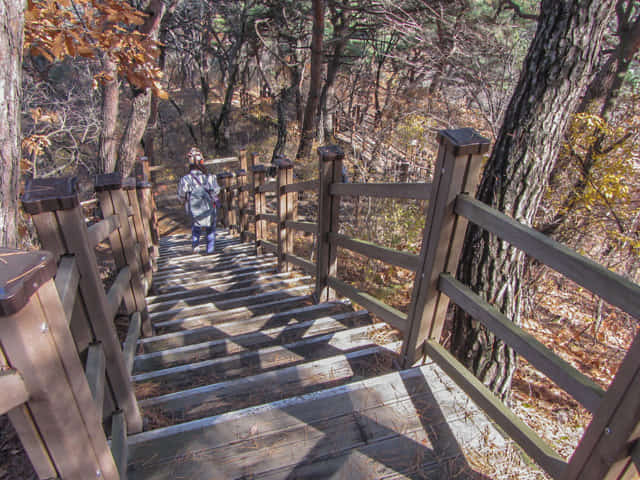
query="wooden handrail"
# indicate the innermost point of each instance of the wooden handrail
(14, 391)
(302, 186)
(117, 291)
(412, 191)
(370, 250)
(98, 232)
(307, 227)
(66, 280)
(612, 287)
(388, 314)
(579, 386)
(524, 436)
(270, 187)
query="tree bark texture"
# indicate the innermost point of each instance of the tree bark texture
(107, 155)
(309, 122)
(556, 71)
(141, 103)
(11, 41)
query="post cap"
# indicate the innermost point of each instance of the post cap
(282, 162)
(331, 153)
(108, 181)
(21, 275)
(259, 168)
(241, 173)
(466, 141)
(225, 175)
(50, 195)
(143, 184)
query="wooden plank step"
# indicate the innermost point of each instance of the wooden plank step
(244, 364)
(258, 311)
(188, 257)
(237, 282)
(191, 299)
(419, 411)
(213, 266)
(174, 277)
(239, 327)
(267, 387)
(249, 341)
(221, 305)
(209, 279)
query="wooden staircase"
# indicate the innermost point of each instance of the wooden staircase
(246, 377)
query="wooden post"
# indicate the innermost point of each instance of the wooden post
(284, 177)
(140, 234)
(232, 204)
(242, 156)
(330, 159)
(457, 171)
(243, 205)
(149, 223)
(63, 435)
(605, 450)
(113, 201)
(260, 202)
(224, 180)
(54, 207)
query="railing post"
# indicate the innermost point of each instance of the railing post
(224, 180)
(63, 436)
(149, 221)
(140, 234)
(232, 200)
(55, 211)
(259, 201)
(113, 201)
(284, 177)
(243, 204)
(457, 171)
(330, 159)
(242, 156)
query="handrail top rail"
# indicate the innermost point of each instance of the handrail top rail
(411, 191)
(612, 287)
(21, 275)
(50, 194)
(113, 181)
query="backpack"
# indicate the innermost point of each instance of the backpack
(201, 205)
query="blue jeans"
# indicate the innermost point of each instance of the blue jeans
(196, 231)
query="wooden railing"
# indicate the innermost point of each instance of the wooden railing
(57, 318)
(63, 370)
(610, 445)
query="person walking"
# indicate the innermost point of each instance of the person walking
(199, 192)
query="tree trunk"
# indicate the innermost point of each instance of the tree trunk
(555, 73)
(110, 99)
(307, 134)
(11, 39)
(141, 104)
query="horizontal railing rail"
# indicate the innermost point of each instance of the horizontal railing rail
(411, 191)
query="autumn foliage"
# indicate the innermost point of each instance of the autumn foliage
(82, 28)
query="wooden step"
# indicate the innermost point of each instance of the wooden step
(180, 276)
(399, 423)
(249, 341)
(249, 363)
(187, 257)
(191, 299)
(222, 305)
(207, 281)
(241, 326)
(233, 314)
(267, 387)
(213, 287)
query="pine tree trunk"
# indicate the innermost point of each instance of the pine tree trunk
(556, 71)
(11, 40)
(307, 134)
(107, 155)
